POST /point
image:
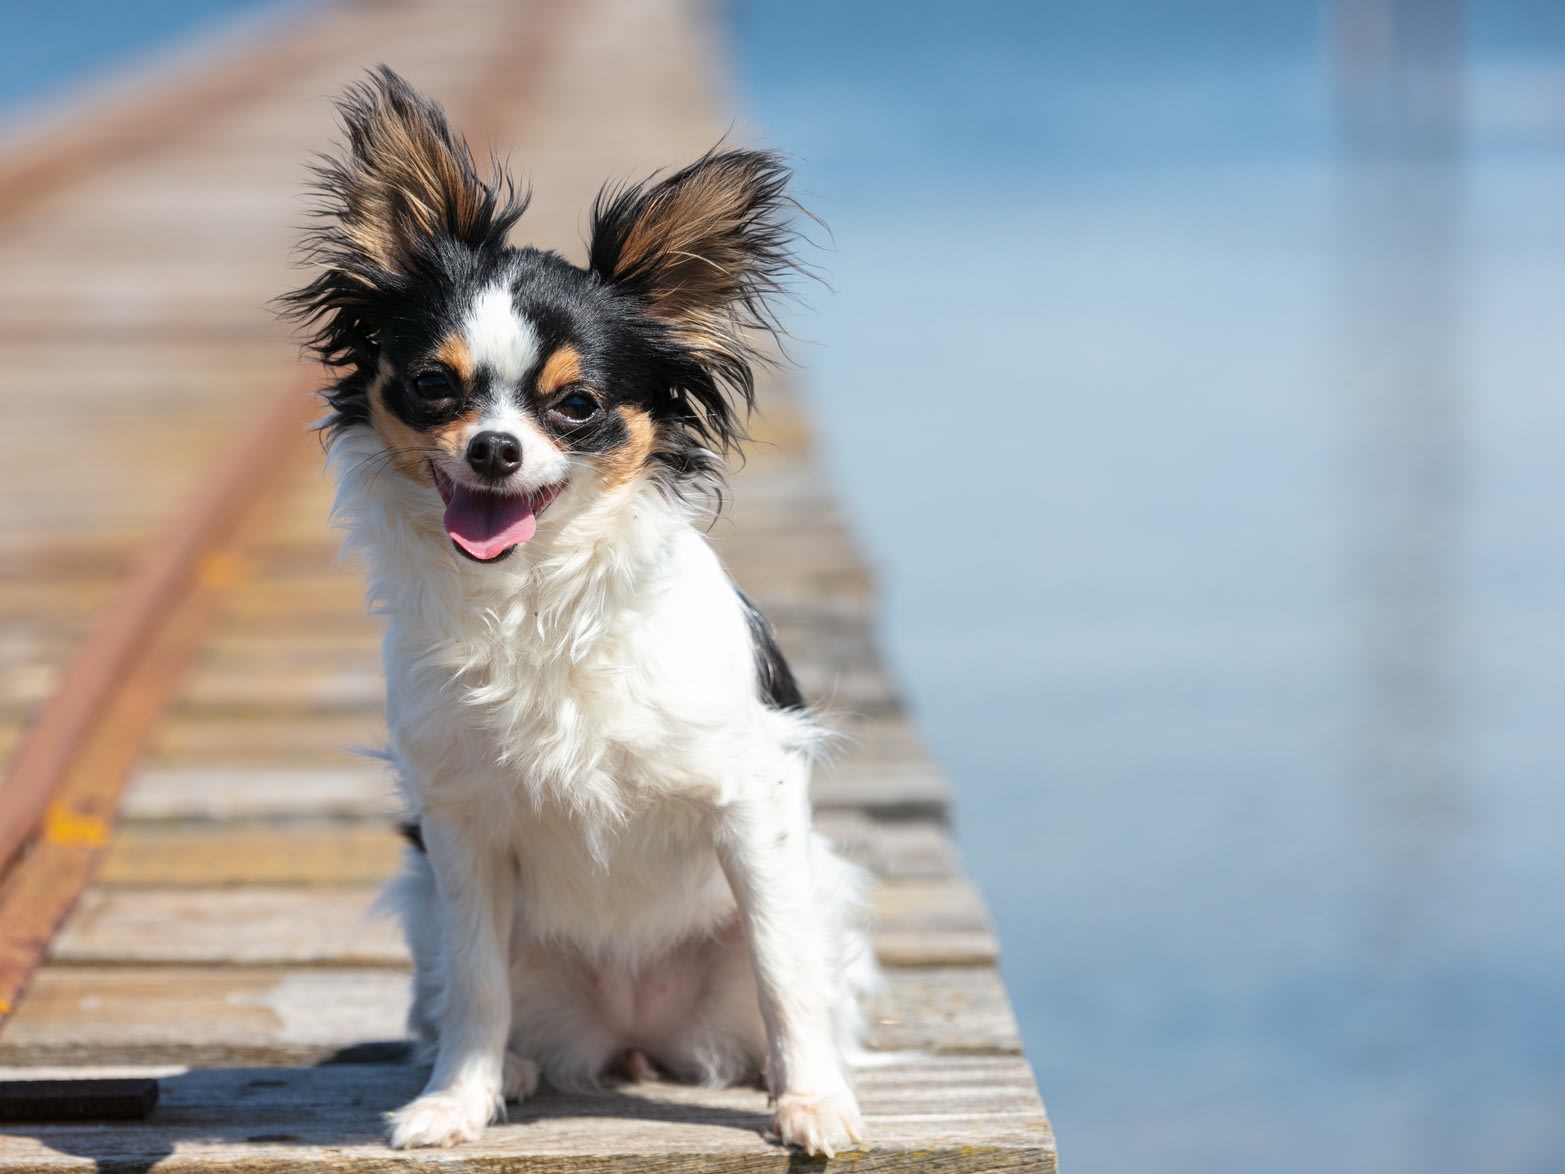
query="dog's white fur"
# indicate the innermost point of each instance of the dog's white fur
(619, 850)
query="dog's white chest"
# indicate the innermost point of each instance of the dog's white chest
(591, 696)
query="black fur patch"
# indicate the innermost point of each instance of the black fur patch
(776, 678)
(413, 832)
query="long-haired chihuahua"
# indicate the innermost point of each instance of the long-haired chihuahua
(604, 756)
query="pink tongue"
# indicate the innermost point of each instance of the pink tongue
(486, 525)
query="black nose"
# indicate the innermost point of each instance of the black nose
(494, 454)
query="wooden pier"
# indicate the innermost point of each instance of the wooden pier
(189, 847)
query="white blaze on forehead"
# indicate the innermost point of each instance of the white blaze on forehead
(499, 338)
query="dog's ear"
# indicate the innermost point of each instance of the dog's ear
(405, 189)
(407, 181)
(706, 250)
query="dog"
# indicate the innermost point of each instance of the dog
(604, 756)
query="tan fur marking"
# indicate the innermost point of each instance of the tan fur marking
(694, 237)
(689, 245)
(408, 448)
(562, 369)
(706, 208)
(453, 353)
(409, 182)
(618, 468)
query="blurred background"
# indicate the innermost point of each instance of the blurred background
(1191, 371)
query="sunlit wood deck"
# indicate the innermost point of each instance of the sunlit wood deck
(185, 668)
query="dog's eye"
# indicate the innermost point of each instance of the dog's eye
(576, 408)
(433, 385)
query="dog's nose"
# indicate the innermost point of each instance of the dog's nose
(494, 454)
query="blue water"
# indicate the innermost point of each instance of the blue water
(1195, 386)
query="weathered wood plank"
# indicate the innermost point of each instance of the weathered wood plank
(946, 1009)
(222, 855)
(226, 792)
(957, 1114)
(249, 1015)
(350, 683)
(881, 765)
(189, 739)
(928, 922)
(335, 598)
(347, 644)
(204, 1015)
(901, 848)
(238, 926)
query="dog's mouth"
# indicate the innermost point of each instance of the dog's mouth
(485, 525)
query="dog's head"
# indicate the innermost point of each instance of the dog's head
(500, 378)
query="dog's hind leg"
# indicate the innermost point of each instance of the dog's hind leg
(521, 1076)
(412, 897)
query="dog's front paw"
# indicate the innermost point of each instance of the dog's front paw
(441, 1119)
(819, 1125)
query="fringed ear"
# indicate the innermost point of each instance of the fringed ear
(706, 250)
(407, 181)
(406, 186)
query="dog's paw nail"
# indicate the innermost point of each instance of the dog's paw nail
(439, 1119)
(819, 1125)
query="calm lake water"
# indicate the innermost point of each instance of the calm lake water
(1193, 374)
